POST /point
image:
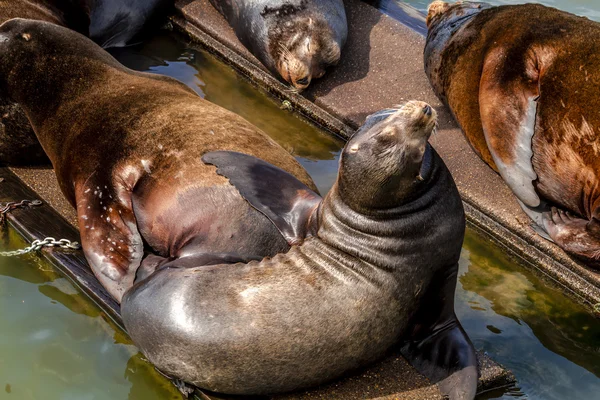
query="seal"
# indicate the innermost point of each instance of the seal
(373, 264)
(126, 149)
(296, 39)
(109, 22)
(18, 144)
(526, 99)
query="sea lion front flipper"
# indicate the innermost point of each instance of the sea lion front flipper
(508, 110)
(111, 241)
(279, 195)
(577, 236)
(437, 345)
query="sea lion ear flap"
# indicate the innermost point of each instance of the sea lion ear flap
(280, 196)
(374, 119)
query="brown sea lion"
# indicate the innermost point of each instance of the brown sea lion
(527, 98)
(296, 39)
(126, 149)
(18, 144)
(374, 264)
(108, 22)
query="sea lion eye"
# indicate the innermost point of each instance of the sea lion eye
(303, 81)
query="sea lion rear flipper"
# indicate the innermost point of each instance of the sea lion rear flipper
(537, 216)
(279, 195)
(577, 236)
(437, 345)
(109, 236)
(508, 108)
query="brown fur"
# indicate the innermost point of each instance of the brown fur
(121, 141)
(487, 70)
(18, 144)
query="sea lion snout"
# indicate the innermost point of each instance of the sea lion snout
(436, 8)
(305, 56)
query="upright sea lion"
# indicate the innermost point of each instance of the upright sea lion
(109, 22)
(126, 149)
(373, 264)
(527, 99)
(295, 39)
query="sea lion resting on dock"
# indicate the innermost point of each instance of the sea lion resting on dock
(527, 99)
(373, 264)
(126, 149)
(108, 22)
(296, 39)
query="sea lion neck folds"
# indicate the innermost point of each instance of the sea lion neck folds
(352, 287)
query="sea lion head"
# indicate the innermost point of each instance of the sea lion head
(303, 49)
(381, 164)
(35, 52)
(444, 20)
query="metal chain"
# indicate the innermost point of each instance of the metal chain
(38, 244)
(8, 207)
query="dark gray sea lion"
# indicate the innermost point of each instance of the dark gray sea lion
(109, 22)
(114, 23)
(126, 149)
(295, 39)
(373, 265)
(527, 99)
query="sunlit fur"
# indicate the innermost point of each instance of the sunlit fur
(306, 54)
(397, 144)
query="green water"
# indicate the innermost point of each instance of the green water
(56, 344)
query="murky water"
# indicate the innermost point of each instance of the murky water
(56, 344)
(586, 8)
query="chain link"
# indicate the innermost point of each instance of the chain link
(36, 244)
(5, 209)
(39, 244)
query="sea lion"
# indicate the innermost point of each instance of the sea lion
(527, 99)
(18, 144)
(115, 23)
(126, 149)
(373, 264)
(109, 22)
(296, 39)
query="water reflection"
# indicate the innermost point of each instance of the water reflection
(56, 344)
(551, 343)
